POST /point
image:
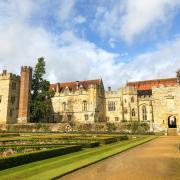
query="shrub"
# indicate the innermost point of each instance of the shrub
(90, 145)
(136, 127)
(108, 140)
(20, 159)
(110, 127)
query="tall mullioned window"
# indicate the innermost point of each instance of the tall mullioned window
(133, 113)
(111, 106)
(84, 105)
(132, 99)
(144, 113)
(13, 85)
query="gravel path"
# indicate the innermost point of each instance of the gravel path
(157, 159)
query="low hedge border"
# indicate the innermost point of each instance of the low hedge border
(83, 145)
(20, 159)
(90, 145)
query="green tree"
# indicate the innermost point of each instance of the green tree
(40, 94)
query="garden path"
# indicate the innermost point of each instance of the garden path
(157, 159)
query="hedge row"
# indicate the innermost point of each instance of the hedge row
(20, 159)
(32, 145)
(113, 139)
(9, 134)
(83, 145)
(90, 145)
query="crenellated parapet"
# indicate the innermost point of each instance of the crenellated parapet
(8, 76)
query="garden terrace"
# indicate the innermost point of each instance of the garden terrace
(56, 167)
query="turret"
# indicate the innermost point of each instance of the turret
(25, 95)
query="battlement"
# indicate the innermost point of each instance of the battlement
(26, 68)
(5, 76)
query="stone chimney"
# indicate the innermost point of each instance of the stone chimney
(4, 72)
(178, 76)
(77, 84)
(25, 95)
(109, 88)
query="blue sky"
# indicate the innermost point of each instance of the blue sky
(116, 40)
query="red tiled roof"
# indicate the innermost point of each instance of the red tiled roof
(73, 85)
(148, 84)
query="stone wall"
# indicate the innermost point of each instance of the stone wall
(69, 106)
(166, 103)
(9, 94)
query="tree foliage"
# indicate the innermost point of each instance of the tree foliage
(40, 94)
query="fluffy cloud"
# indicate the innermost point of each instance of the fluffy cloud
(129, 19)
(65, 9)
(70, 57)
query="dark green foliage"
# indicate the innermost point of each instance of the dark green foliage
(121, 138)
(20, 159)
(9, 134)
(136, 127)
(41, 94)
(90, 145)
(111, 127)
(108, 140)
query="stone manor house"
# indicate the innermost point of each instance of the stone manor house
(156, 102)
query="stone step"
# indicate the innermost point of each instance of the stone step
(172, 132)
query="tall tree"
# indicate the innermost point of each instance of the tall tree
(40, 94)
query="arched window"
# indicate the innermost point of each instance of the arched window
(133, 113)
(132, 99)
(84, 105)
(144, 113)
(64, 106)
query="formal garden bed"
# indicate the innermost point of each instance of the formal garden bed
(22, 148)
(52, 163)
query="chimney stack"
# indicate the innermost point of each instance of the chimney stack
(4, 72)
(109, 88)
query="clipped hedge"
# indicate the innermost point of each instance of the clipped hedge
(20, 159)
(33, 145)
(90, 145)
(121, 138)
(9, 134)
(108, 140)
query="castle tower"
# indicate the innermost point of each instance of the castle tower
(25, 96)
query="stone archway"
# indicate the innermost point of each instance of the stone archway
(172, 122)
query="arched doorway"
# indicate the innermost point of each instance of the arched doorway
(172, 122)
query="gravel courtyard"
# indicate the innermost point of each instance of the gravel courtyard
(157, 159)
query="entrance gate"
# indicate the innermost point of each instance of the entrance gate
(172, 122)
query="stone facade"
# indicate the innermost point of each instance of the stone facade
(80, 101)
(156, 102)
(12, 97)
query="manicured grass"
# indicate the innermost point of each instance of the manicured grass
(58, 166)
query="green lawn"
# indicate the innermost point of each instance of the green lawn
(58, 166)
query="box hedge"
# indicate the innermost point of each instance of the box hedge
(20, 159)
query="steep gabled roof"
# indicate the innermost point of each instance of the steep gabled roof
(73, 85)
(148, 84)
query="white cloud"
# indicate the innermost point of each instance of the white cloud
(79, 19)
(66, 9)
(71, 58)
(129, 19)
(111, 42)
